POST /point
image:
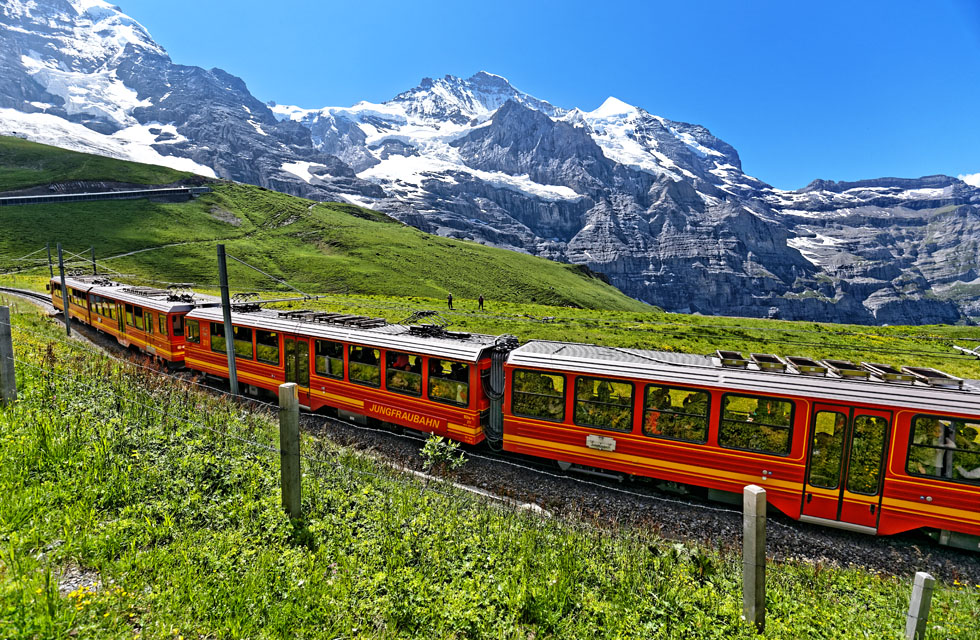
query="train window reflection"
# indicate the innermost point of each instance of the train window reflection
(449, 381)
(329, 358)
(944, 448)
(675, 413)
(606, 404)
(365, 366)
(267, 347)
(403, 373)
(756, 423)
(538, 395)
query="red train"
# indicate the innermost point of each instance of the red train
(866, 447)
(149, 319)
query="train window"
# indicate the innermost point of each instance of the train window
(243, 342)
(218, 338)
(867, 446)
(365, 366)
(267, 347)
(675, 413)
(756, 424)
(77, 297)
(193, 331)
(606, 404)
(403, 373)
(178, 326)
(100, 305)
(538, 395)
(138, 318)
(945, 448)
(129, 315)
(148, 317)
(104, 307)
(449, 382)
(826, 449)
(329, 358)
(163, 324)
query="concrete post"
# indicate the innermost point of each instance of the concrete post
(289, 450)
(50, 265)
(918, 616)
(95, 268)
(8, 377)
(754, 555)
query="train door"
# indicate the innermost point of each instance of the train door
(119, 317)
(297, 362)
(846, 464)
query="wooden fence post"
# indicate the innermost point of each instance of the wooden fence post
(918, 616)
(8, 377)
(754, 555)
(289, 449)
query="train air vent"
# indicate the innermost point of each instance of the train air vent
(807, 366)
(934, 377)
(768, 361)
(732, 359)
(845, 368)
(888, 373)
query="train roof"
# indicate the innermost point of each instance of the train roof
(468, 347)
(686, 369)
(165, 300)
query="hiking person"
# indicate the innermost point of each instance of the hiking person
(449, 299)
(480, 302)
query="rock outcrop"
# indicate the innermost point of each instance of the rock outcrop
(661, 208)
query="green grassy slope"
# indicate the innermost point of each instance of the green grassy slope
(149, 494)
(316, 247)
(27, 164)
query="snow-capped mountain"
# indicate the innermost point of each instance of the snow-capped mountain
(83, 75)
(661, 207)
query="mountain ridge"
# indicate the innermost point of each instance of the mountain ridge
(662, 207)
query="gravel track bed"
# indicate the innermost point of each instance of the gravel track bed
(680, 518)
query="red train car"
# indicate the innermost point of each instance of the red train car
(417, 377)
(149, 319)
(878, 454)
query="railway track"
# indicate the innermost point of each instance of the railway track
(33, 296)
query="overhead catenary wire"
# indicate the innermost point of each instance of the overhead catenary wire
(282, 282)
(44, 248)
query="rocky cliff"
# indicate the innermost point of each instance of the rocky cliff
(661, 207)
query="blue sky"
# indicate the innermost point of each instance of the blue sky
(833, 90)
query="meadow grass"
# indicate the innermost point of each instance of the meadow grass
(28, 164)
(314, 246)
(166, 499)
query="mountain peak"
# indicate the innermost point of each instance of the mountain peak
(487, 78)
(475, 97)
(613, 107)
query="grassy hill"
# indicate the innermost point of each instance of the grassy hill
(316, 247)
(27, 164)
